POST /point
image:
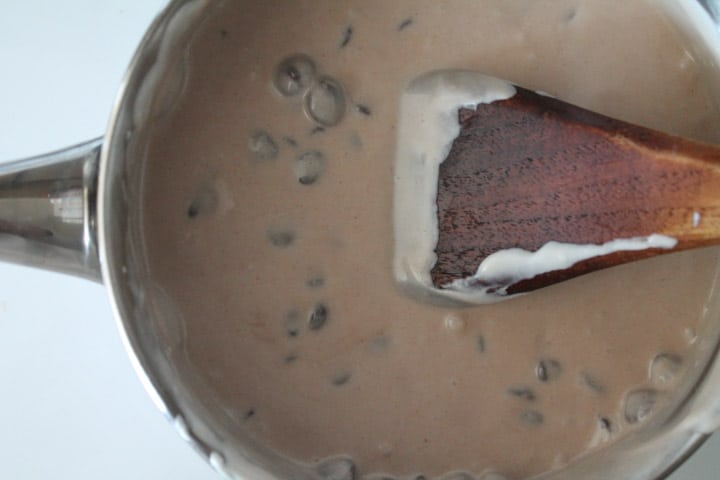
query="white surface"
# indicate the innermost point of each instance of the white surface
(71, 407)
(70, 404)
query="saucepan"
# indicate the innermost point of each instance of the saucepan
(77, 211)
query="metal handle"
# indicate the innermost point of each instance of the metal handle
(47, 211)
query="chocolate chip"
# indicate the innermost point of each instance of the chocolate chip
(341, 379)
(570, 15)
(405, 23)
(249, 414)
(364, 109)
(281, 238)
(590, 382)
(605, 424)
(522, 392)
(532, 418)
(379, 344)
(347, 36)
(205, 202)
(318, 317)
(193, 211)
(480, 343)
(355, 141)
(548, 370)
(293, 323)
(316, 282)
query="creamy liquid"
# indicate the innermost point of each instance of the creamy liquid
(286, 287)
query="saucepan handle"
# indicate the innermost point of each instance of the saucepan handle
(47, 211)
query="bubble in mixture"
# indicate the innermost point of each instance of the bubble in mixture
(325, 102)
(318, 317)
(294, 75)
(263, 146)
(309, 167)
(639, 404)
(548, 370)
(665, 368)
(454, 323)
(337, 469)
(385, 448)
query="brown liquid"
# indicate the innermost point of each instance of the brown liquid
(399, 386)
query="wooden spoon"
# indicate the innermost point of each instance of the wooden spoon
(530, 169)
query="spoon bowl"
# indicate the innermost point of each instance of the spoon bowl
(528, 191)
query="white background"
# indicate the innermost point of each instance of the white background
(70, 404)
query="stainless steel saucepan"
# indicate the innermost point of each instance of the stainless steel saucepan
(78, 211)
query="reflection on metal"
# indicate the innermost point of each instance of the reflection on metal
(712, 7)
(47, 213)
(68, 206)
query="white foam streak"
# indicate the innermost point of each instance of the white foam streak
(506, 267)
